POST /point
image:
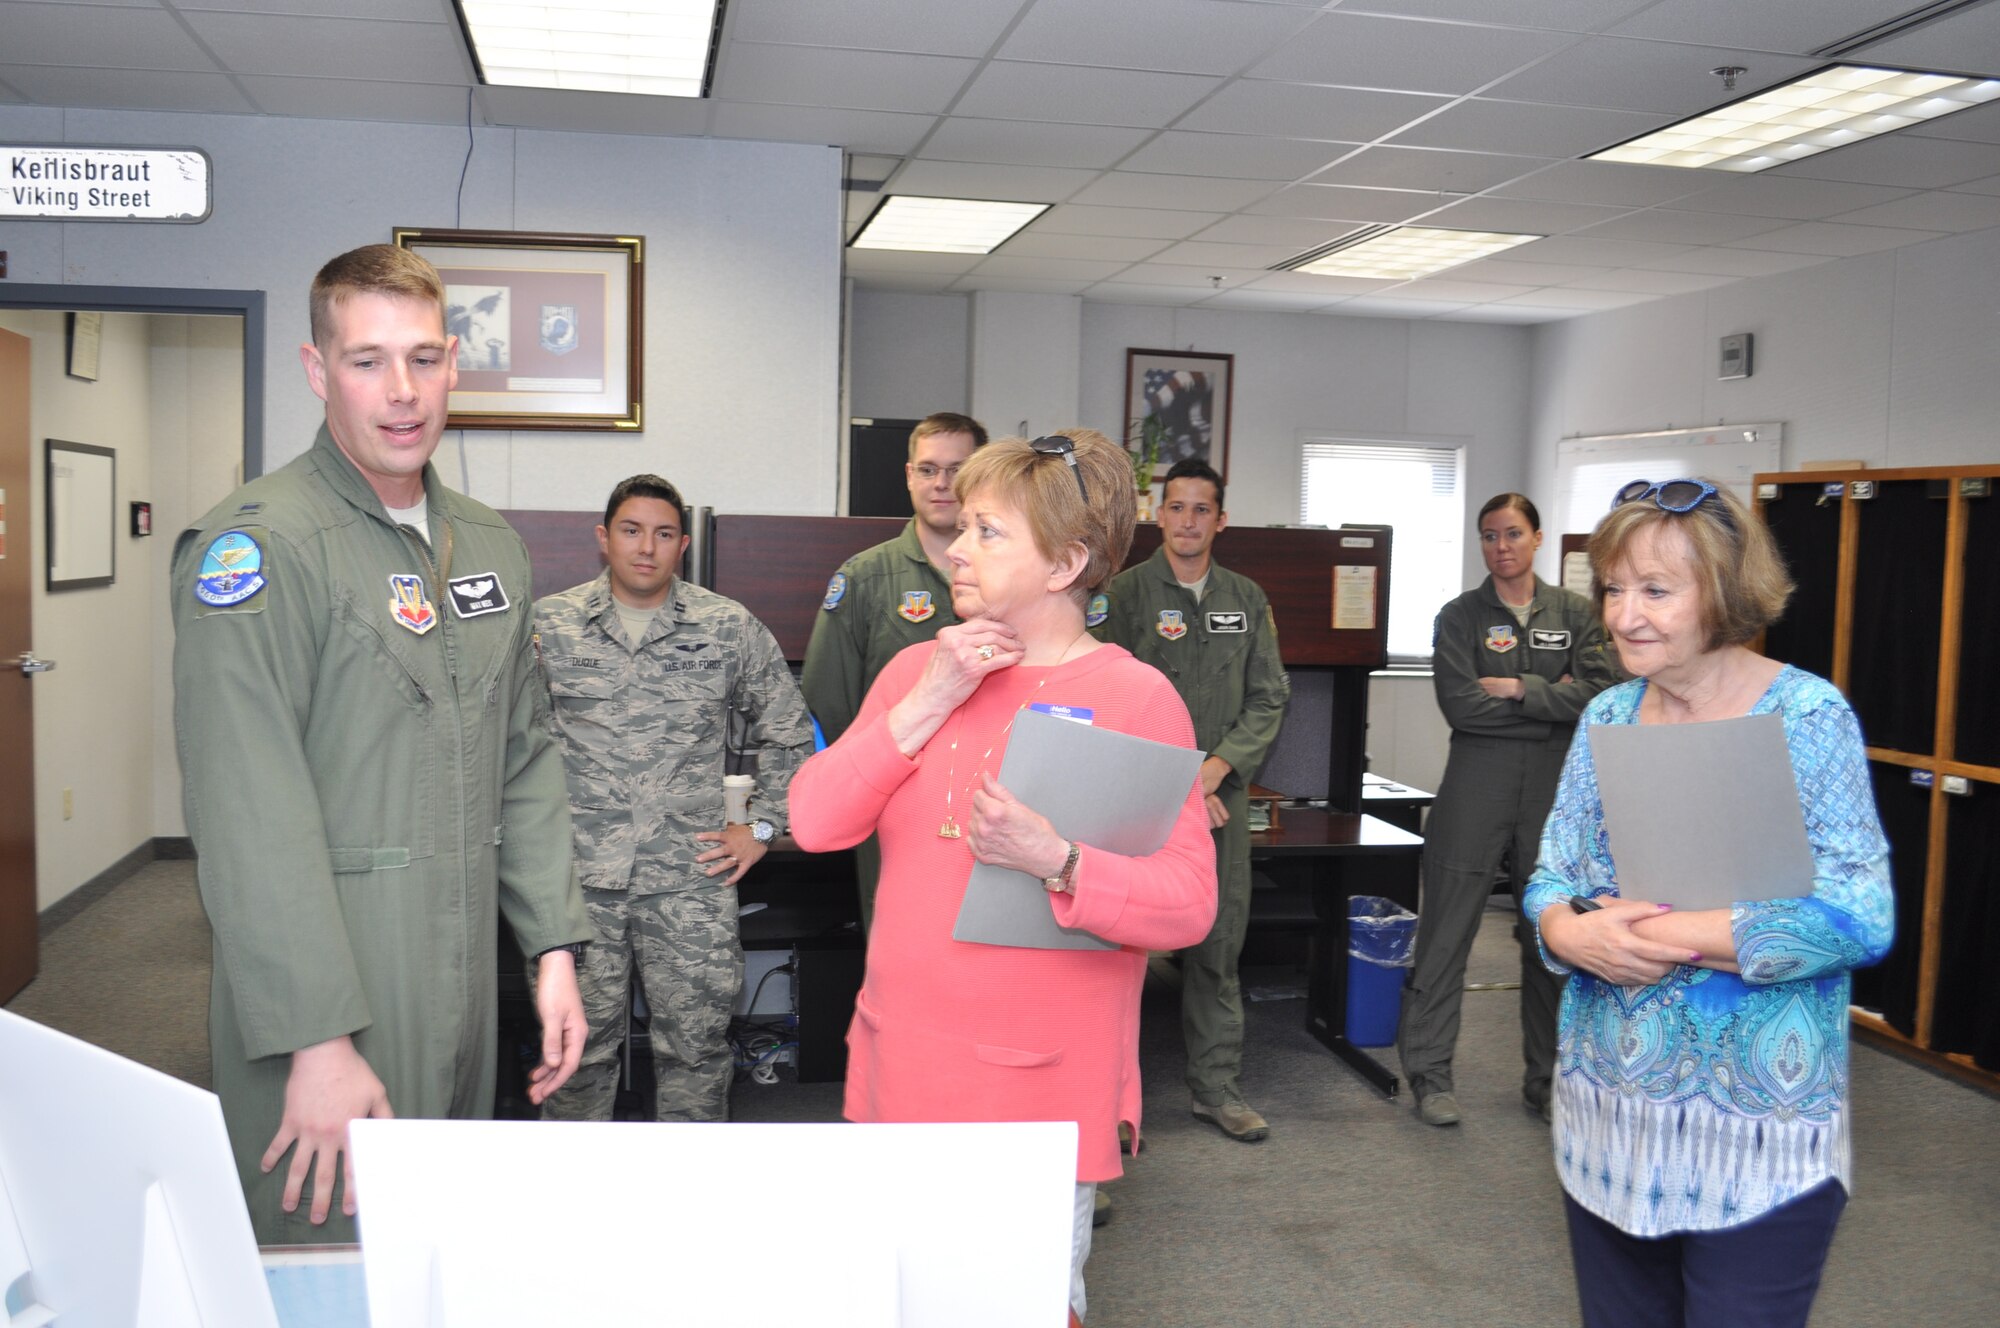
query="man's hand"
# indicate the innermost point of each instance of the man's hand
(1213, 771)
(738, 851)
(560, 1006)
(1503, 689)
(1218, 815)
(330, 1085)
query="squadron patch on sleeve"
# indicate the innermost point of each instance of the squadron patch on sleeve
(836, 591)
(1099, 610)
(232, 570)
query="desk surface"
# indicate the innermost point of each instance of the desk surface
(1309, 831)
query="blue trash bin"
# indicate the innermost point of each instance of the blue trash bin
(1381, 944)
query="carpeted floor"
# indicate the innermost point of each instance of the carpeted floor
(1352, 1212)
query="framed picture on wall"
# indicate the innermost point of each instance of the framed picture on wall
(1189, 394)
(550, 328)
(82, 514)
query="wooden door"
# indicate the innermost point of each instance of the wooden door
(18, 922)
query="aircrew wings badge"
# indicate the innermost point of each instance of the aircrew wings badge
(916, 606)
(408, 604)
(1170, 625)
(232, 570)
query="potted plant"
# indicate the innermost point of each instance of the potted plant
(1144, 450)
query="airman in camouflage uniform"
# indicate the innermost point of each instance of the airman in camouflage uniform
(646, 674)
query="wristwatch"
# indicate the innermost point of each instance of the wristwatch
(1583, 904)
(575, 949)
(763, 831)
(1060, 882)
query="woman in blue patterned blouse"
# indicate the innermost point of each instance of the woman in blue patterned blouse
(1701, 1117)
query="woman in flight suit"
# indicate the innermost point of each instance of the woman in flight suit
(1515, 661)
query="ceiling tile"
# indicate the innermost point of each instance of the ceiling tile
(1623, 74)
(1132, 292)
(1333, 203)
(1133, 189)
(1801, 29)
(103, 37)
(335, 47)
(1428, 169)
(1359, 50)
(1028, 143)
(353, 99)
(1609, 183)
(1521, 315)
(1187, 36)
(1832, 240)
(1267, 301)
(1559, 15)
(1981, 124)
(909, 260)
(1718, 261)
(593, 112)
(1990, 185)
(1083, 270)
(1180, 274)
(1296, 110)
(1541, 131)
(1935, 211)
(862, 166)
(142, 89)
(1449, 289)
(1520, 216)
(1970, 36)
(387, 9)
(1307, 283)
(1013, 90)
(1233, 156)
(1389, 306)
(1145, 223)
(888, 132)
(917, 283)
(858, 80)
(1665, 226)
(963, 27)
(1914, 163)
(1770, 195)
(8, 92)
(1593, 253)
(1034, 242)
(983, 281)
(1224, 257)
(1025, 184)
(1292, 233)
(1500, 270)
(1565, 297)
(1653, 283)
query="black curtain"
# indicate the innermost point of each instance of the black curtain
(1890, 988)
(1808, 534)
(1979, 650)
(1968, 997)
(1899, 577)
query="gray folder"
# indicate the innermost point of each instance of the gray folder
(1102, 789)
(1702, 815)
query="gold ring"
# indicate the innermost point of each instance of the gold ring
(986, 652)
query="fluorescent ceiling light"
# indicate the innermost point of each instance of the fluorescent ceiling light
(1830, 109)
(944, 225)
(1399, 253)
(654, 47)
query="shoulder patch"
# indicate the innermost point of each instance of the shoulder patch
(231, 571)
(1098, 610)
(836, 591)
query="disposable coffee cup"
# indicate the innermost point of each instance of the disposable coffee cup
(736, 798)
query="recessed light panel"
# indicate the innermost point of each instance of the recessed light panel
(944, 225)
(1400, 253)
(653, 47)
(1830, 109)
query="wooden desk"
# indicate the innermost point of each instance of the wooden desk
(1337, 855)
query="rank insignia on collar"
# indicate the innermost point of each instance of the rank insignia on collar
(916, 606)
(232, 570)
(1170, 625)
(476, 595)
(408, 606)
(836, 590)
(1501, 639)
(1099, 610)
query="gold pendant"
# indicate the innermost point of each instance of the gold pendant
(950, 830)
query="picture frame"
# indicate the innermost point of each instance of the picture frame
(86, 341)
(82, 483)
(551, 327)
(1190, 393)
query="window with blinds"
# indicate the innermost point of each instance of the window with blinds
(1590, 470)
(1417, 488)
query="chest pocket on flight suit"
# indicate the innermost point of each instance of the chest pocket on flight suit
(372, 741)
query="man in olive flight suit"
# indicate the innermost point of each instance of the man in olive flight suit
(369, 781)
(888, 597)
(1211, 632)
(646, 673)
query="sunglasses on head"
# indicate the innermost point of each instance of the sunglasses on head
(1056, 444)
(1668, 495)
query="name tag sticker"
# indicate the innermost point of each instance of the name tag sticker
(1075, 714)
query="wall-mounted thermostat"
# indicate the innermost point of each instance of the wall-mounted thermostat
(1736, 355)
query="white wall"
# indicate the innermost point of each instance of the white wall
(909, 355)
(742, 290)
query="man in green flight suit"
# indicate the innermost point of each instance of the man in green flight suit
(888, 597)
(369, 780)
(1211, 632)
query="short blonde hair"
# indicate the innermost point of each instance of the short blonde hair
(1740, 576)
(1046, 492)
(373, 269)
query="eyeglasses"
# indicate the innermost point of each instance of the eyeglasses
(928, 473)
(1675, 496)
(1056, 444)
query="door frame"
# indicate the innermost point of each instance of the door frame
(245, 304)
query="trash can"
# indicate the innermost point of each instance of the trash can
(1381, 943)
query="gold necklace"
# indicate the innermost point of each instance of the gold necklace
(950, 829)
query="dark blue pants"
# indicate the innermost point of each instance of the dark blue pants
(1762, 1274)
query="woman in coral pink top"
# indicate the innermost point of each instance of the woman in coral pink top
(948, 1030)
